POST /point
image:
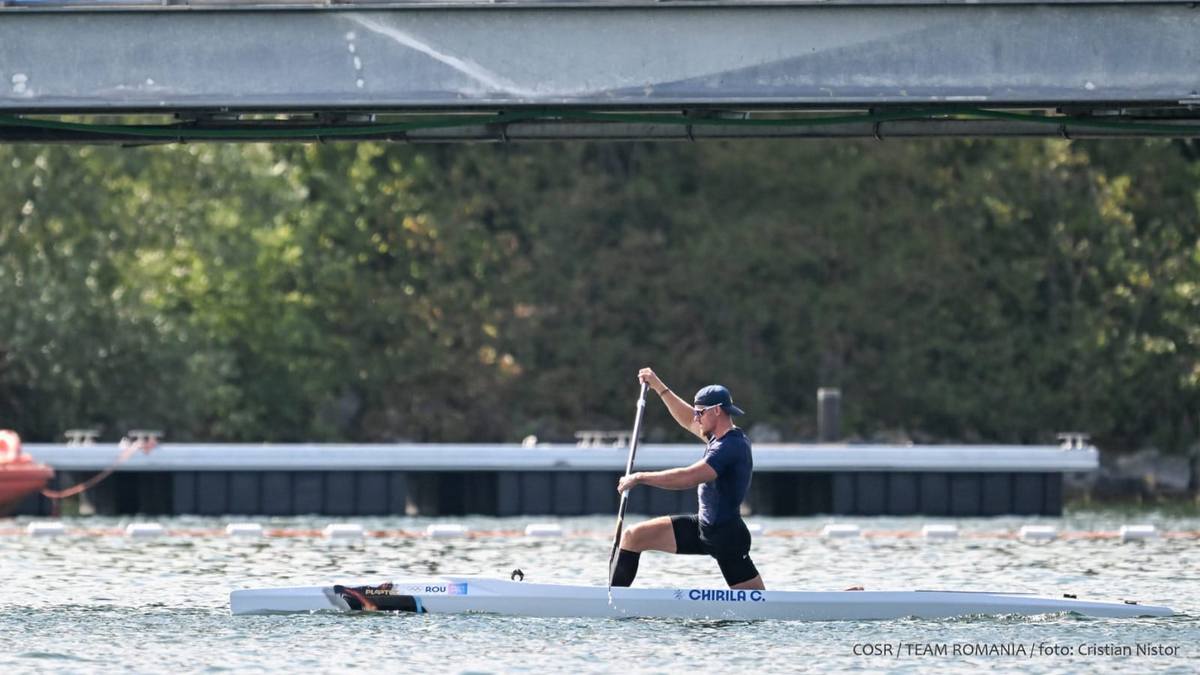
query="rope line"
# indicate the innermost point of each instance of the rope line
(128, 449)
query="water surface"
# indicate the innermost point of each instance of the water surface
(86, 603)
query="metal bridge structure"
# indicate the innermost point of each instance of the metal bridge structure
(469, 70)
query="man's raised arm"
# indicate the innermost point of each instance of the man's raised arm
(680, 409)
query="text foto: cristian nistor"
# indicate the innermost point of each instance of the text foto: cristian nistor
(1017, 649)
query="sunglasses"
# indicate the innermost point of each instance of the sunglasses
(699, 412)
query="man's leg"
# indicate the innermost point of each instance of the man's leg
(730, 545)
(739, 572)
(656, 534)
(756, 583)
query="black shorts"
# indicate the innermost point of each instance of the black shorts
(728, 542)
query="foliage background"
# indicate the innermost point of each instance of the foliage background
(955, 290)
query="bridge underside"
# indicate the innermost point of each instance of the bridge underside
(472, 71)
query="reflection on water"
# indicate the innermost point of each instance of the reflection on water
(162, 604)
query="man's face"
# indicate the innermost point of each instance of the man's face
(706, 416)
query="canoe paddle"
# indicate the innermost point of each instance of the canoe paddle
(633, 444)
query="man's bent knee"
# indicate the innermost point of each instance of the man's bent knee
(756, 583)
(629, 539)
(649, 536)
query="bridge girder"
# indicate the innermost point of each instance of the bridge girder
(236, 66)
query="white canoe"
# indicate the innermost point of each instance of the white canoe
(457, 595)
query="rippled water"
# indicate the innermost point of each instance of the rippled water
(85, 603)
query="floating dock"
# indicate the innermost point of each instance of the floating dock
(558, 479)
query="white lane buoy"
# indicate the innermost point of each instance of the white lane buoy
(144, 530)
(1138, 532)
(446, 531)
(52, 529)
(940, 532)
(343, 531)
(543, 530)
(244, 530)
(840, 531)
(1038, 533)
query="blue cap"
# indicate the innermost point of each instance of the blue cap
(715, 394)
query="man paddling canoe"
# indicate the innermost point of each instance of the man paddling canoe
(723, 477)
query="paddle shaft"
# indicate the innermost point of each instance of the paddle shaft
(633, 444)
